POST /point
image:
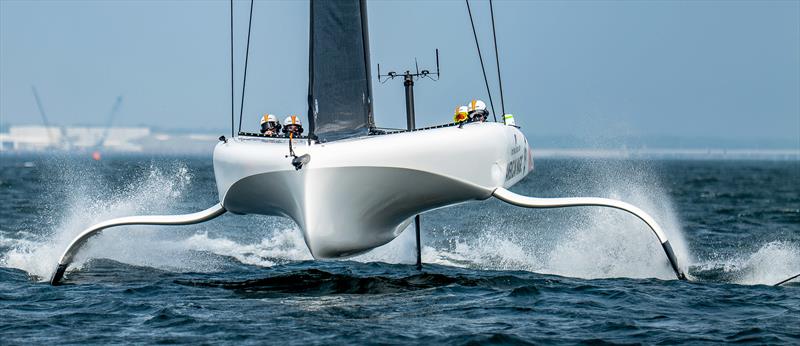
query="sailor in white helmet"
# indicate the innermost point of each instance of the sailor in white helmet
(270, 126)
(477, 111)
(292, 126)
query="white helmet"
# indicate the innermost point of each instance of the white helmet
(292, 124)
(269, 117)
(292, 120)
(270, 123)
(477, 105)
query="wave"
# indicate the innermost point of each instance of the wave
(771, 263)
(586, 243)
(91, 201)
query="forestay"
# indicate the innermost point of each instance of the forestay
(339, 84)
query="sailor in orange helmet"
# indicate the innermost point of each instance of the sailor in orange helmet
(461, 114)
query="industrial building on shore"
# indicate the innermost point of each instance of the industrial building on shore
(38, 138)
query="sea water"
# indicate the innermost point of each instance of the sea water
(493, 273)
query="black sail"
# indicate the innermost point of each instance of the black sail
(339, 83)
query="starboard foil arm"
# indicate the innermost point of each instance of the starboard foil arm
(185, 219)
(787, 280)
(533, 202)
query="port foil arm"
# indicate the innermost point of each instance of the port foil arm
(77, 243)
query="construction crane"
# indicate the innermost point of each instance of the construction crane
(62, 141)
(114, 110)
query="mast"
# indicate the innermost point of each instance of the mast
(408, 84)
(339, 84)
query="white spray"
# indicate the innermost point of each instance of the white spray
(581, 242)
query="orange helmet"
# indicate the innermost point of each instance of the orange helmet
(461, 114)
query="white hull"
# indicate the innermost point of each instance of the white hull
(354, 195)
(357, 194)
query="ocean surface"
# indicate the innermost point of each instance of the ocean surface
(493, 273)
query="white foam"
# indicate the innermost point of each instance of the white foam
(400, 250)
(583, 242)
(91, 202)
(604, 242)
(283, 245)
(772, 263)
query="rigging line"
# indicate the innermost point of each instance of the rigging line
(497, 59)
(485, 80)
(232, 102)
(246, 56)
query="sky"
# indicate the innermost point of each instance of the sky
(713, 71)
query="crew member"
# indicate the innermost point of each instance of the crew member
(270, 126)
(461, 114)
(292, 127)
(478, 111)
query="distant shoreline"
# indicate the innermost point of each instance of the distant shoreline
(543, 153)
(677, 154)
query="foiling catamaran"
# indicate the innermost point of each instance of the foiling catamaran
(385, 178)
